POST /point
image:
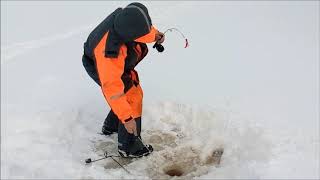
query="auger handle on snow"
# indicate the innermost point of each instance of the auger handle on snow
(89, 160)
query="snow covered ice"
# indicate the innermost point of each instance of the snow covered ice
(248, 83)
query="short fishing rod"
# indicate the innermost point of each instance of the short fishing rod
(160, 47)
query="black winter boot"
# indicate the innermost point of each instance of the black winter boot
(106, 131)
(136, 149)
(130, 145)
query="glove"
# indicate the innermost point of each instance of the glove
(131, 126)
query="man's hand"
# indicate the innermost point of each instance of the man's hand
(160, 37)
(131, 127)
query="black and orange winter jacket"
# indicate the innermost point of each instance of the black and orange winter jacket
(112, 51)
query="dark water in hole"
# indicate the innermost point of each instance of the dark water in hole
(174, 172)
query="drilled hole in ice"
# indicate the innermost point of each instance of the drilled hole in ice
(174, 171)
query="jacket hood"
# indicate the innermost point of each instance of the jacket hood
(132, 22)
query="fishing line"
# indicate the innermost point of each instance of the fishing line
(183, 36)
(160, 47)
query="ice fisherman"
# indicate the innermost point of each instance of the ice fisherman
(111, 52)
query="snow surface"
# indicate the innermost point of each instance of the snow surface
(248, 83)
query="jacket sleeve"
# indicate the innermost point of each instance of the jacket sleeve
(148, 38)
(110, 71)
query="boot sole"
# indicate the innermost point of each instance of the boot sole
(124, 154)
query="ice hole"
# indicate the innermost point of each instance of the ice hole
(174, 171)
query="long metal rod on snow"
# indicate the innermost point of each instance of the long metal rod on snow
(120, 165)
(88, 161)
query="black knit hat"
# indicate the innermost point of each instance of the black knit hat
(132, 22)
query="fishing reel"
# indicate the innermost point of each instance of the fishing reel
(158, 47)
